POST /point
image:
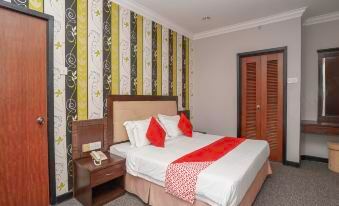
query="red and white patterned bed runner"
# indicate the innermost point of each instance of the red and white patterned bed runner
(182, 174)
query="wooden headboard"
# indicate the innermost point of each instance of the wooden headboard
(121, 108)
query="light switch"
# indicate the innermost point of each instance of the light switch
(292, 80)
(63, 71)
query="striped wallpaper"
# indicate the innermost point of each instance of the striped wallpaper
(101, 48)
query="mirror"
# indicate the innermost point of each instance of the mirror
(328, 102)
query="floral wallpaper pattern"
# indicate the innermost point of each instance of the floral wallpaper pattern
(101, 48)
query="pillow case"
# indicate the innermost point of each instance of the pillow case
(185, 125)
(129, 126)
(170, 124)
(155, 133)
(136, 131)
(140, 130)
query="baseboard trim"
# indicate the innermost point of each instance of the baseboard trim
(293, 164)
(64, 197)
(313, 158)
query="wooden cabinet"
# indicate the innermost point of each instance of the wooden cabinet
(97, 185)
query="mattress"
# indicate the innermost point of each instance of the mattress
(225, 182)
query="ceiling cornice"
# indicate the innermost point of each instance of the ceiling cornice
(148, 13)
(296, 13)
(333, 16)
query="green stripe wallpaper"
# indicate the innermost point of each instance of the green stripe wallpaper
(37, 5)
(101, 48)
(159, 59)
(115, 48)
(82, 60)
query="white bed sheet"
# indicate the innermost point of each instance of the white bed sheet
(121, 149)
(225, 182)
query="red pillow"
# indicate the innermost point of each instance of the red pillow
(185, 125)
(155, 133)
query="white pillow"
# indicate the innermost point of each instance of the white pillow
(170, 124)
(129, 125)
(162, 126)
(140, 130)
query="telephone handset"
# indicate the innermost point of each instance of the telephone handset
(97, 157)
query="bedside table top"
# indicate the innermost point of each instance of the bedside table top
(87, 162)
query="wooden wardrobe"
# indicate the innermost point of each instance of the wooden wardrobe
(262, 100)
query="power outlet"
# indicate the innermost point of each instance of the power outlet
(91, 146)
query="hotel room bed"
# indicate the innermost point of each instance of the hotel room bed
(234, 179)
(225, 182)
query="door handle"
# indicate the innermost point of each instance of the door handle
(40, 120)
(258, 107)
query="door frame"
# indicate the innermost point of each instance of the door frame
(50, 89)
(239, 102)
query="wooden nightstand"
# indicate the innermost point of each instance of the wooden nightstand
(97, 185)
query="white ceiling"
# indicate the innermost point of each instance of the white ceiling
(188, 13)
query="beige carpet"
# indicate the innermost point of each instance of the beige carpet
(311, 185)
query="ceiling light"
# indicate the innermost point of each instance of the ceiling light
(206, 18)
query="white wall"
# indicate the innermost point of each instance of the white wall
(215, 78)
(316, 145)
(314, 37)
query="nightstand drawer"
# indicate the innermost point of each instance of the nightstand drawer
(107, 174)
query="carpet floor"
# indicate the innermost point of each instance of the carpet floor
(311, 185)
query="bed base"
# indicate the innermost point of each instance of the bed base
(155, 195)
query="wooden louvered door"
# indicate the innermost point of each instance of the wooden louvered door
(262, 101)
(272, 103)
(250, 115)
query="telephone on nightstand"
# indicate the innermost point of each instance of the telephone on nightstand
(97, 157)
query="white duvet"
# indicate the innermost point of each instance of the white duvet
(225, 182)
